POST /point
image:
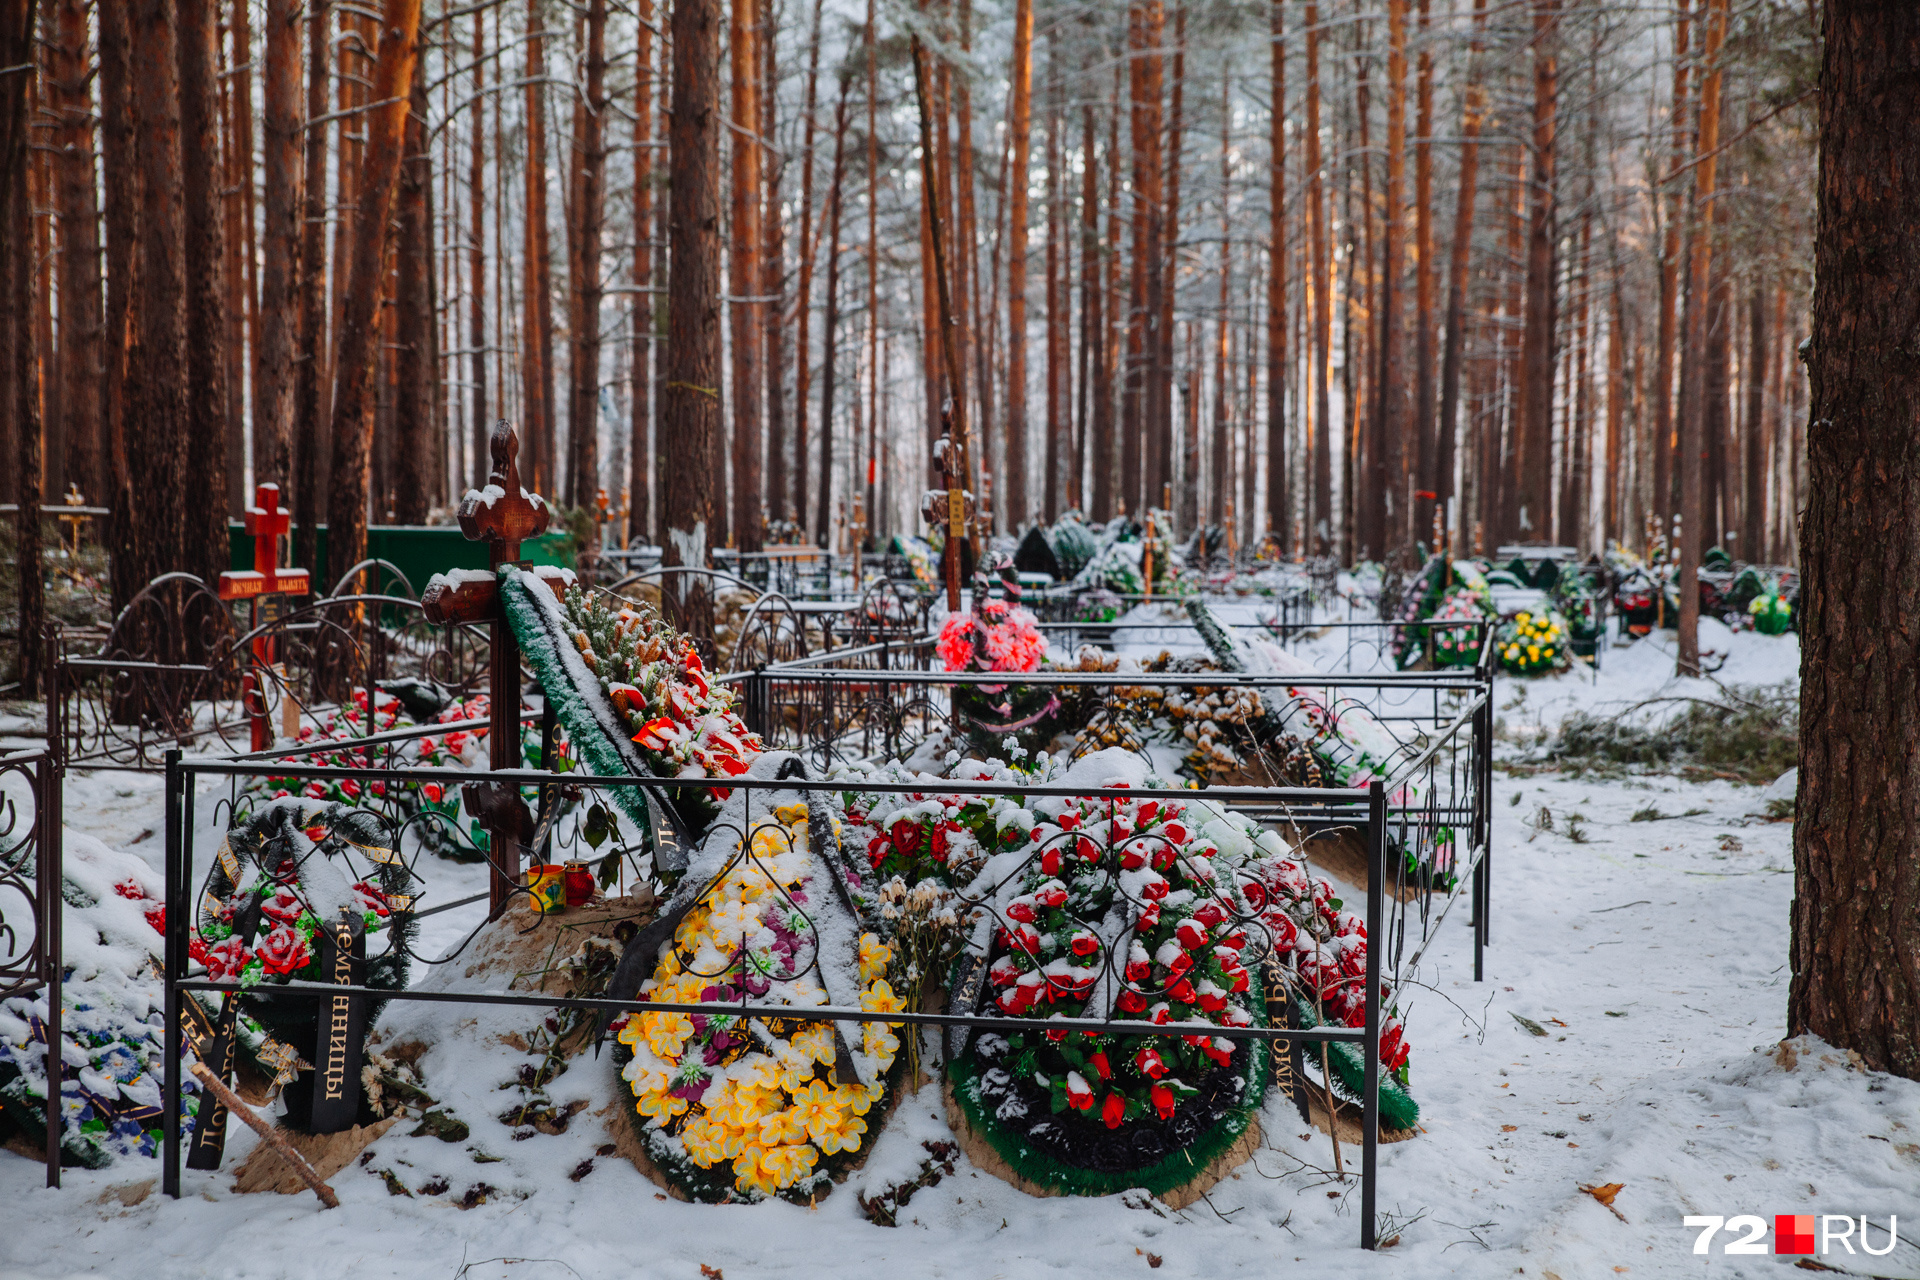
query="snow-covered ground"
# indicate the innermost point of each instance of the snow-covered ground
(1653, 954)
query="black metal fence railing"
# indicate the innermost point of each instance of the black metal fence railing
(32, 872)
(1429, 734)
(1361, 815)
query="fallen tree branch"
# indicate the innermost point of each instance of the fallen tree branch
(275, 1139)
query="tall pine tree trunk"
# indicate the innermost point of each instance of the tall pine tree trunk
(1664, 450)
(690, 423)
(536, 331)
(1321, 532)
(1020, 121)
(1856, 906)
(830, 330)
(482, 428)
(1533, 466)
(583, 417)
(1279, 475)
(352, 416)
(280, 247)
(1692, 440)
(312, 449)
(773, 276)
(743, 275)
(82, 365)
(414, 372)
(1473, 111)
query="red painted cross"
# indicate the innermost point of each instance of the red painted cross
(265, 523)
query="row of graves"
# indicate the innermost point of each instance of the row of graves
(1109, 904)
(1551, 612)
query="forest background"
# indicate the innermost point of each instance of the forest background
(1345, 273)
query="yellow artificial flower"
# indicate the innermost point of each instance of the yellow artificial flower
(842, 1135)
(858, 1098)
(662, 1105)
(816, 1110)
(667, 1033)
(882, 1044)
(875, 956)
(784, 1126)
(879, 998)
(1533, 653)
(750, 1172)
(788, 1164)
(705, 1140)
(816, 1042)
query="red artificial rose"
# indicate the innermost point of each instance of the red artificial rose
(1163, 857)
(1131, 1002)
(1085, 944)
(940, 843)
(1113, 1110)
(1175, 832)
(1150, 917)
(1190, 933)
(156, 914)
(1052, 895)
(350, 788)
(907, 836)
(197, 949)
(1131, 859)
(226, 958)
(1068, 821)
(1148, 1063)
(1100, 1064)
(1089, 850)
(1183, 992)
(1021, 910)
(1210, 914)
(1212, 1002)
(1149, 811)
(432, 791)
(1119, 828)
(1139, 970)
(285, 950)
(1155, 891)
(1079, 1093)
(1050, 862)
(1163, 1101)
(1057, 1035)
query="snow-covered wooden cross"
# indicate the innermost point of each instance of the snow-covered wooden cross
(265, 523)
(503, 515)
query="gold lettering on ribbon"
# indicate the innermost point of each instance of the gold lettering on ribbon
(336, 1079)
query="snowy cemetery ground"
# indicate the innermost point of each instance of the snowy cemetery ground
(1651, 953)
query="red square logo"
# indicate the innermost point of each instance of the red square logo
(1793, 1233)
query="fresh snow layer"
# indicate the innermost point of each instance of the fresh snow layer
(1653, 953)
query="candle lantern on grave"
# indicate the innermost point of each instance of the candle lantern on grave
(261, 586)
(503, 515)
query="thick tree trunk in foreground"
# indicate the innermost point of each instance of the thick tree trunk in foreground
(1473, 110)
(640, 500)
(359, 324)
(690, 389)
(583, 416)
(1279, 493)
(19, 375)
(1856, 909)
(743, 277)
(414, 383)
(280, 239)
(1533, 470)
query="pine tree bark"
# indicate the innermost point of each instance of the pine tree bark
(312, 375)
(81, 364)
(1279, 472)
(1664, 447)
(1691, 436)
(583, 366)
(830, 328)
(414, 371)
(1020, 109)
(481, 428)
(773, 275)
(1753, 507)
(1321, 532)
(640, 485)
(120, 204)
(352, 414)
(1057, 326)
(1473, 112)
(20, 391)
(1093, 313)
(1534, 460)
(243, 320)
(280, 247)
(743, 274)
(1389, 467)
(540, 423)
(1856, 906)
(1221, 485)
(205, 532)
(690, 423)
(1427, 462)
(157, 409)
(803, 309)
(1169, 263)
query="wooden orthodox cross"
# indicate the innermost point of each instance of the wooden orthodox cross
(266, 522)
(74, 517)
(503, 515)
